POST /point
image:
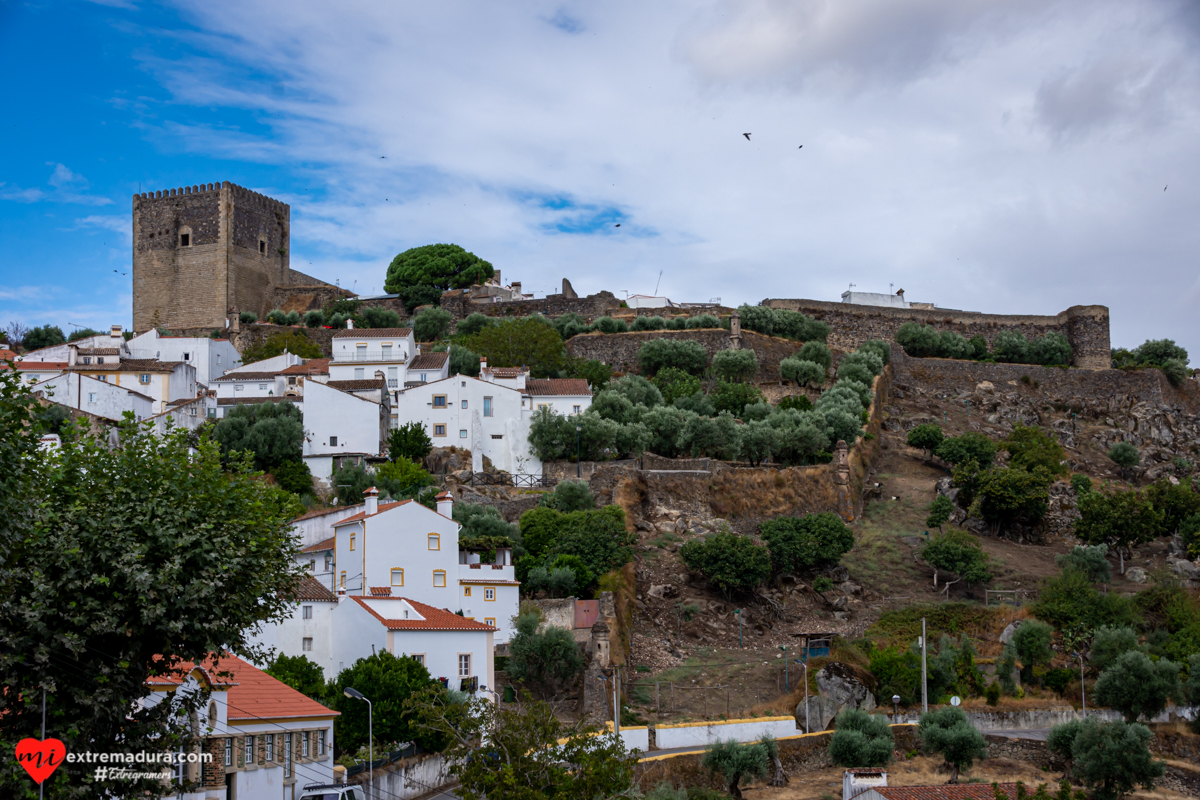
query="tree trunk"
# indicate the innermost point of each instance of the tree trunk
(953, 774)
(780, 777)
(735, 791)
(1121, 556)
(935, 577)
(946, 590)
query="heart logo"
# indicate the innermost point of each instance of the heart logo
(40, 757)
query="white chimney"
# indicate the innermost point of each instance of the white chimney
(72, 355)
(372, 496)
(445, 504)
(857, 781)
(116, 333)
(349, 324)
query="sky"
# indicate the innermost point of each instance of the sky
(1004, 156)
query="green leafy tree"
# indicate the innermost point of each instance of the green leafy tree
(551, 435)
(431, 324)
(272, 432)
(637, 390)
(409, 441)
(247, 317)
(299, 673)
(898, 672)
(818, 353)
(1009, 494)
(1030, 447)
(1176, 502)
(404, 472)
(734, 397)
(293, 475)
(948, 732)
(389, 681)
(1031, 641)
(958, 553)
(800, 543)
(525, 751)
(713, 437)
(464, 361)
(682, 354)
(927, 437)
(1159, 352)
(1121, 519)
(976, 447)
(376, 317)
(698, 404)
(730, 562)
(314, 318)
(939, 511)
(615, 406)
(853, 371)
(1011, 347)
(152, 555)
(548, 658)
(734, 761)
(1110, 642)
(295, 342)
(674, 383)
(1124, 455)
(1082, 484)
(802, 372)
(521, 342)
(571, 496)
(1137, 686)
(978, 348)
(1060, 741)
(735, 366)
(596, 373)
(541, 528)
(1113, 758)
(82, 333)
(1189, 531)
(1052, 349)
(759, 442)
(584, 579)
(473, 324)
(42, 336)
(1071, 600)
(1091, 560)
(861, 740)
(484, 523)
(440, 266)
(598, 537)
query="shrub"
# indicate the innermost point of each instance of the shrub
(978, 347)
(405, 473)
(797, 402)
(1159, 351)
(1052, 348)
(948, 731)
(1113, 758)
(431, 324)
(610, 325)
(1091, 560)
(314, 318)
(674, 383)
(735, 761)
(1175, 370)
(473, 323)
(855, 372)
(1031, 642)
(898, 672)
(863, 358)
(817, 353)
(877, 346)
(992, 695)
(247, 317)
(294, 476)
(927, 437)
(571, 496)
(1124, 455)
(1030, 447)
(1110, 642)
(956, 450)
(637, 390)
(735, 366)
(1082, 484)
(548, 657)
(939, 511)
(409, 441)
(277, 316)
(798, 543)
(728, 561)
(861, 740)
(1010, 347)
(377, 317)
(647, 324)
(1071, 600)
(959, 553)
(704, 321)
(802, 373)
(682, 354)
(734, 397)
(1137, 686)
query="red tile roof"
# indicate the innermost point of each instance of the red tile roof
(6, 354)
(316, 366)
(313, 590)
(558, 387)
(247, 376)
(357, 386)
(957, 791)
(363, 514)
(319, 547)
(258, 696)
(436, 619)
(41, 365)
(505, 372)
(429, 361)
(374, 333)
(381, 591)
(322, 512)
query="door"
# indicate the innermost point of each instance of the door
(586, 613)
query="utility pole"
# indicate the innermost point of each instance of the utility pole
(616, 700)
(924, 679)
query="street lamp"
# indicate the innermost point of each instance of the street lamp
(738, 611)
(805, 664)
(1082, 685)
(355, 694)
(578, 430)
(492, 692)
(896, 707)
(786, 685)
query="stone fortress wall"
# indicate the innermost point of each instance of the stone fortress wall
(1086, 327)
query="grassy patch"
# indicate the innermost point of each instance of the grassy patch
(902, 626)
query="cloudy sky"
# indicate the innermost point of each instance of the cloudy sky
(1009, 156)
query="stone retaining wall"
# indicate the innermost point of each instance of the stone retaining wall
(619, 350)
(460, 304)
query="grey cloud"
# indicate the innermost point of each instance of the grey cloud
(1126, 90)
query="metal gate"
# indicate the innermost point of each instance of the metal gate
(586, 613)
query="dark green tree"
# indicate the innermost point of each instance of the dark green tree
(958, 553)
(1110, 642)
(927, 437)
(389, 681)
(1030, 447)
(295, 342)
(734, 397)
(272, 432)
(299, 673)
(1137, 686)
(734, 760)
(802, 372)
(800, 543)
(1009, 494)
(976, 447)
(547, 658)
(947, 731)
(596, 373)
(82, 333)
(409, 441)
(431, 324)
(637, 390)
(42, 336)
(473, 324)
(674, 383)
(861, 740)
(682, 354)
(438, 266)
(1071, 600)
(1124, 455)
(735, 366)
(939, 511)
(730, 562)
(1113, 758)
(1176, 502)
(1031, 642)
(1121, 519)
(571, 496)
(818, 353)
(464, 361)
(375, 317)
(1091, 560)
(293, 475)
(522, 342)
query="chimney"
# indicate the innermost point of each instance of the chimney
(516, 287)
(496, 278)
(482, 363)
(372, 496)
(116, 333)
(856, 781)
(379, 376)
(445, 504)
(72, 355)
(349, 324)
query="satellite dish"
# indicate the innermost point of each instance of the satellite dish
(955, 701)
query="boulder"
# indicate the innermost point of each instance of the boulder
(1136, 575)
(818, 712)
(1182, 567)
(839, 683)
(663, 591)
(985, 387)
(1009, 631)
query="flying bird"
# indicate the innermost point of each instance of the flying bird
(747, 136)
(801, 147)
(383, 156)
(618, 224)
(1165, 187)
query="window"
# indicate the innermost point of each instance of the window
(291, 380)
(312, 565)
(490, 621)
(386, 350)
(397, 577)
(287, 754)
(343, 580)
(304, 744)
(218, 358)
(103, 378)
(100, 360)
(328, 561)
(262, 246)
(249, 750)
(487, 406)
(352, 541)
(320, 743)
(360, 373)
(229, 752)
(306, 612)
(269, 745)
(543, 405)
(87, 359)
(262, 386)
(464, 403)
(464, 665)
(439, 430)
(497, 435)
(306, 644)
(462, 434)
(186, 357)
(466, 591)
(419, 658)
(489, 593)
(424, 378)
(464, 383)
(439, 401)
(576, 409)
(238, 387)
(434, 541)
(333, 441)
(185, 240)
(91, 397)
(144, 378)
(439, 577)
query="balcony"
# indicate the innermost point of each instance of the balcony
(368, 356)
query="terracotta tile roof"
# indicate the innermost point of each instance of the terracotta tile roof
(504, 372)
(322, 546)
(322, 512)
(429, 361)
(146, 365)
(436, 619)
(374, 333)
(246, 376)
(363, 514)
(98, 351)
(381, 591)
(958, 791)
(5, 353)
(258, 696)
(41, 365)
(558, 387)
(485, 581)
(357, 386)
(315, 366)
(237, 401)
(313, 590)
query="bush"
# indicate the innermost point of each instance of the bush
(277, 317)
(703, 321)
(1030, 448)
(548, 657)
(1137, 686)
(473, 324)
(1175, 370)
(956, 450)
(1113, 758)
(295, 342)
(294, 476)
(464, 361)
(898, 672)
(927, 437)
(855, 372)
(1031, 642)
(1051, 349)
(647, 324)
(959, 553)
(314, 318)
(797, 402)
(728, 561)
(674, 383)
(404, 473)
(735, 761)
(1082, 484)
(637, 390)
(1110, 642)
(1010, 347)
(377, 317)
(409, 441)
(802, 373)
(1124, 455)
(948, 731)
(799, 543)
(818, 353)
(1071, 600)
(867, 359)
(861, 740)
(571, 496)
(939, 511)
(735, 366)
(1091, 560)
(682, 354)
(431, 324)
(1159, 352)
(734, 397)
(247, 317)
(992, 695)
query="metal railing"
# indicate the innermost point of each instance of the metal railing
(374, 355)
(518, 480)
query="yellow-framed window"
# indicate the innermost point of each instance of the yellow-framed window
(352, 537)
(342, 583)
(490, 621)
(397, 576)
(439, 577)
(489, 593)
(466, 591)
(434, 541)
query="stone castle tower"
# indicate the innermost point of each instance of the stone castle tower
(200, 251)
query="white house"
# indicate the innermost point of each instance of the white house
(265, 739)
(211, 357)
(344, 418)
(648, 301)
(101, 398)
(364, 353)
(187, 414)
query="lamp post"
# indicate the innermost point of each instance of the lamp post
(786, 685)
(896, 709)
(354, 694)
(1082, 685)
(924, 679)
(804, 663)
(578, 431)
(738, 611)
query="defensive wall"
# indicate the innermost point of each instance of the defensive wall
(602, 304)
(1086, 327)
(619, 350)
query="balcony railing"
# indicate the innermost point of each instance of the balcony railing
(370, 355)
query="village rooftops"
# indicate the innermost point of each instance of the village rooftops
(391, 612)
(374, 333)
(246, 376)
(428, 361)
(316, 366)
(365, 385)
(311, 590)
(558, 387)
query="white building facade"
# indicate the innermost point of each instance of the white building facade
(341, 423)
(212, 358)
